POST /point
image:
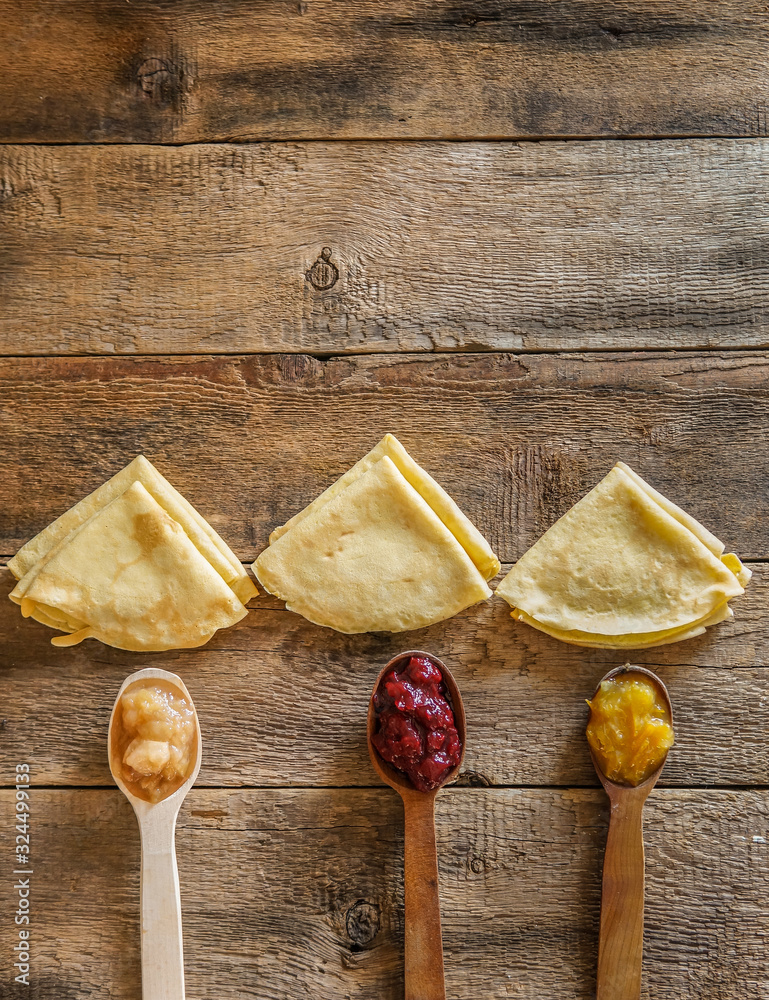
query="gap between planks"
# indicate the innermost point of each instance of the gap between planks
(374, 141)
(476, 789)
(351, 355)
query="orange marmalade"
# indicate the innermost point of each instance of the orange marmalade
(630, 730)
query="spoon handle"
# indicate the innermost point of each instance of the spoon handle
(162, 956)
(620, 947)
(423, 943)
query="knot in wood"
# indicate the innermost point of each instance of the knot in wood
(158, 79)
(612, 30)
(296, 367)
(363, 921)
(324, 273)
(477, 865)
(473, 779)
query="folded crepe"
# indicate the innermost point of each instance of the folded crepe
(471, 540)
(134, 565)
(383, 549)
(141, 470)
(624, 568)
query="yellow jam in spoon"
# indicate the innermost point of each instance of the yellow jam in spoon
(630, 729)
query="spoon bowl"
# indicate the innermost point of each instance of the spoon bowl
(423, 945)
(174, 800)
(651, 781)
(161, 920)
(392, 776)
(620, 947)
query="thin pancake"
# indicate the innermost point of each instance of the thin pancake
(49, 616)
(465, 532)
(618, 564)
(641, 641)
(141, 470)
(373, 558)
(707, 538)
(132, 576)
(732, 562)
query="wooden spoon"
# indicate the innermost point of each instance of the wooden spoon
(162, 955)
(620, 945)
(423, 942)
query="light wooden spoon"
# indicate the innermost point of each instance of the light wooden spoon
(423, 942)
(161, 925)
(620, 945)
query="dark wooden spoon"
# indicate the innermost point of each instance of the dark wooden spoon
(423, 942)
(620, 945)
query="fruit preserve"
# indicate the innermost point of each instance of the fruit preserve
(154, 739)
(415, 730)
(630, 730)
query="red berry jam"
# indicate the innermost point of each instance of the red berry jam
(415, 730)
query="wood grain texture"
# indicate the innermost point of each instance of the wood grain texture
(436, 246)
(293, 892)
(283, 702)
(153, 71)
(516, 440)
(621, 937)
(423, 966)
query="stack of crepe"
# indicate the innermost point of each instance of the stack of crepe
(133, 565)
(382, 549)
(624, 569)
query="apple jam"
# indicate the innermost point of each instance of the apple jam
(415, 730)
(630, 730)
(154, 739)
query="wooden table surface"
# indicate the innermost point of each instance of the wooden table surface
(549, 223)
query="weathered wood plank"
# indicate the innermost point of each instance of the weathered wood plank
(286, 893)
(283, 702)
(438, 247)
(516, 440)
(185, 72)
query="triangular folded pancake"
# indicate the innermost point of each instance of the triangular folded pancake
(624, 567)
(374, 557)
(465, 532)
(131, 577)
(141, 470)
